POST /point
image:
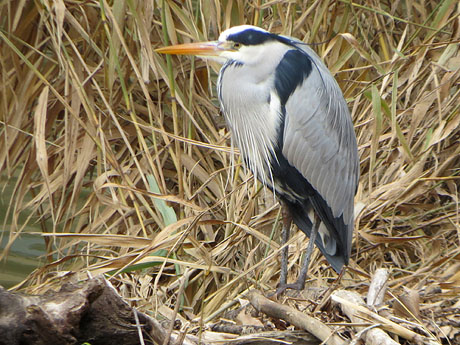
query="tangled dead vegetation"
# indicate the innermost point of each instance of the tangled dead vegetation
(120, 156)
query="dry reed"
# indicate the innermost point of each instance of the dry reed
(121, 157)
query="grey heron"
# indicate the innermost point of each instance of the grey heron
(290, 121)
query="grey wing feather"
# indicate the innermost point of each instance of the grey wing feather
(319, 140)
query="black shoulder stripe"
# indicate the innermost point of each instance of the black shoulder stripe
(293, 69)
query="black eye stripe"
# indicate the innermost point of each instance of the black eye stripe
(252, 37)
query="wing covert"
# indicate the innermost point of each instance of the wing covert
(319, 140)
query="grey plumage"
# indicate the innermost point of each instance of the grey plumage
(318, 138)
(320, 129)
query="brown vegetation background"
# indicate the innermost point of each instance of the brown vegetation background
(122, 159)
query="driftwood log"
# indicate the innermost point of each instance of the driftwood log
(90, 312)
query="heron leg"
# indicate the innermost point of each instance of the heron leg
(287, 220)
(300, 283)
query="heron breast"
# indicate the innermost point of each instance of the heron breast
(252, 113)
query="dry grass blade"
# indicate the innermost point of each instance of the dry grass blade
(39, 130)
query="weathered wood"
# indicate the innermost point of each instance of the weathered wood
(294, 317)
(277, 338)
(91, 311)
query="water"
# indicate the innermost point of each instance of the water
(24, 256)
(27, 251)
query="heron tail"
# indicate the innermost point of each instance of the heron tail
(328, 242)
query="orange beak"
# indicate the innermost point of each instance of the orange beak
(199, 49)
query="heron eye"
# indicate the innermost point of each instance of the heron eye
(236, 45)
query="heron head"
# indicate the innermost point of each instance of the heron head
(246, 44)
